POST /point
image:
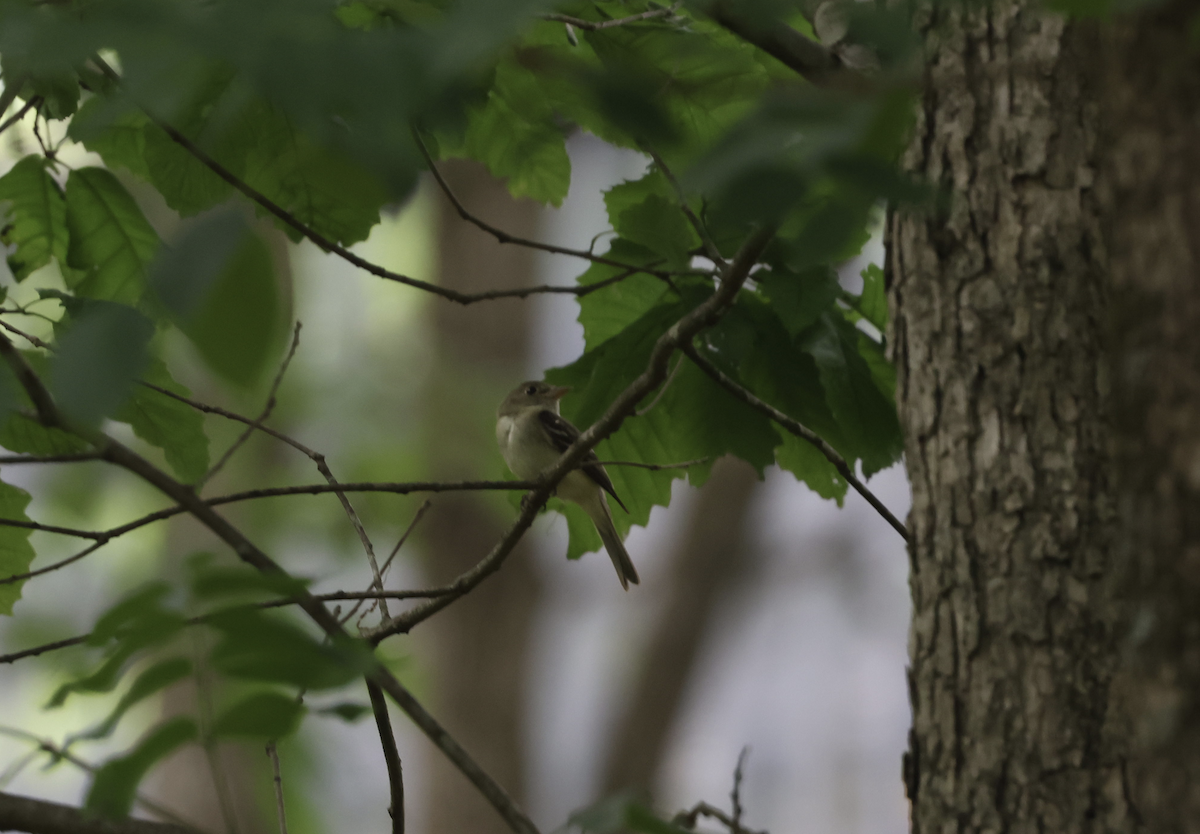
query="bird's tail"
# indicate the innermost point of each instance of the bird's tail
(626, 572)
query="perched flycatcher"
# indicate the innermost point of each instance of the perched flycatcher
(532, 437)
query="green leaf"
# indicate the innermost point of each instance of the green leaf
(872, 303)
(799, 299)
(604, 313)
(16, 554)
(37, 223)
(862, 411)
(115, 129)
(25, 435)
(264, 715)
(164, 422)
(99, 359)
(224, 582)
(115, 783)
(110, 239)
(218, 282)
(152, 680)
(255, 646)
(660, 225)
(514, 134)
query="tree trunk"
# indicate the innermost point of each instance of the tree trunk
(1153, 172)
(480, 643)
(998, 309)
(707, 559)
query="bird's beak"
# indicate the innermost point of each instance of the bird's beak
(559, 391)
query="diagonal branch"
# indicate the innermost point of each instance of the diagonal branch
(801, 431)
(21, 813)
(391, 757)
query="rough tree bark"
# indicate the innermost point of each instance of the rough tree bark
(1153, 202)
(999, 308)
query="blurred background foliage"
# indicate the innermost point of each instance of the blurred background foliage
(180, 172)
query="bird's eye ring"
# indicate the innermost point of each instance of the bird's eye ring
(531, 390)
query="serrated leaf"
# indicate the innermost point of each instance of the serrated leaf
(255, 646)
(99, 359)
(115, 129)
(115, 783)
(606, 312)
(37, 213)
(154, 679)
(22, 434)
(514, 134)
(111, 241)
(864, 414)
(799, 299)
(660, 225)
(164, 422)
(16, 554)
(263, 715)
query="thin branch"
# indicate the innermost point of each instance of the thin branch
(75, 458)
(266, 412)
(388, 562)
(21, 813)
(811, 60)
(29, 337)
(735, 795)
(596, 26)
(801, 431)
(105, 536)
(280, 810)
(681, 333)
(504, 237)
(391, 757)
(687, 819)
(36, 101)
(654, 466)
(335, 596)
(47, 746)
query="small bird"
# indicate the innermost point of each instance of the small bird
(532, 437)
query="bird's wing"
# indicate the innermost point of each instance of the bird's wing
(562, 435)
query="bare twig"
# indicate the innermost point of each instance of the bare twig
(388, 562)
(391, 756)
(75, 458)
(687, 819)
(21, 813)
(504, 237)
(801, 431)
(654, 466)
(105, 536)
(280, 809)
(595, 26)
(36, 101)
(266, 412)
(29, 337)
(735, 795)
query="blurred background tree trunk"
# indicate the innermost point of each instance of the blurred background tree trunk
(1153, 202)
(480, 645)
(705, 564)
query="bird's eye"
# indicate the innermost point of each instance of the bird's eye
(530, 390)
